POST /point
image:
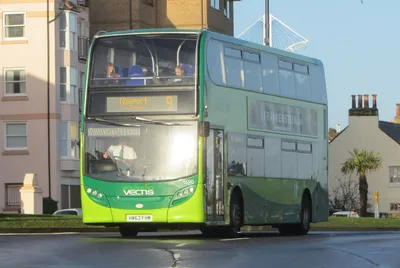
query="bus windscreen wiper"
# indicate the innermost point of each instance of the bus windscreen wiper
(141, 119)
(109, 122)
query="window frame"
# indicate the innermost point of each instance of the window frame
(227, 9)
(5, 82)
(67, 31)
(4, 26)
(69, 140)
(215, 4)
(391, 171)
(71, 88)
(5, 135)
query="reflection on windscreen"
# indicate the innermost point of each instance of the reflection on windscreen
(140, 60)
(142, 152)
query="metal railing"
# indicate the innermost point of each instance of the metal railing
(12, 195)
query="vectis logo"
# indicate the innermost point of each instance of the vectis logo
(137, 192)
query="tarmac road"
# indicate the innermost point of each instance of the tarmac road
(190, 249)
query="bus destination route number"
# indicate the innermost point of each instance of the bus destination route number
(141, 218)
(142, 104)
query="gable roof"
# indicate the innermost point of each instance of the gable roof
(391, 129)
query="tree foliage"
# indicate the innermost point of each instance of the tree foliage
(362, 162)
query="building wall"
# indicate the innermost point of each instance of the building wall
(363, 133)
(28, 54)
(194, 14)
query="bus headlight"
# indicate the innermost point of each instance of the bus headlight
(97, 197)
(183, 195)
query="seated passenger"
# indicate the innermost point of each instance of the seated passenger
(110, 71)
(179, 72)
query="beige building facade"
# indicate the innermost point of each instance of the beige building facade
(215, 15)
(366, 131)
(26, 78)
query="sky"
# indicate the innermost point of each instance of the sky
(359, 44)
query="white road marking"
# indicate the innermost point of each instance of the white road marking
(181, 245)
(33, 234)
(234, 239)
(177, 256)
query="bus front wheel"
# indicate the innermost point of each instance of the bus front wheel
(235, 215)
(127, 231)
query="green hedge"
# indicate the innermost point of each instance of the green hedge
(69, 221)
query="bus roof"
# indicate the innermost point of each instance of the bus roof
(219, 36)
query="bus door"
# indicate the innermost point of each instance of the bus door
(215, 176)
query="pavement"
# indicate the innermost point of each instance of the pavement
(190, 249)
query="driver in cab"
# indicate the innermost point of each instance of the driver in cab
(122, 152)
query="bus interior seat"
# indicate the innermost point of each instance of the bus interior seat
(135, 71)
(189, 70)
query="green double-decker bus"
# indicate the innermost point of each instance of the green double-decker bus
(191, 129)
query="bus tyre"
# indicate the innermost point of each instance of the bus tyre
(127, 232)
(303, 227)
(235, 216)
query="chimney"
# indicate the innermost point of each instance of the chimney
(374, 101)
(359, 101)
(337, 128)
(353, 101)
(397, 109)
(366, 101)
(364, 108)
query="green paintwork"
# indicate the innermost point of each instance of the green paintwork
(114, 194)
(165, 205)
(266, 200)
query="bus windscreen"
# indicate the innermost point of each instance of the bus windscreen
(144, 60)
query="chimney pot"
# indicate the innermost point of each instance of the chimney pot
(374, 101)
(353, 101)
(366, 101)
(359, 101)
(397, 109)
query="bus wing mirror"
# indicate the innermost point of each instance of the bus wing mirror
(204, 130)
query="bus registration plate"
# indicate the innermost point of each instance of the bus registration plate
(139, 218)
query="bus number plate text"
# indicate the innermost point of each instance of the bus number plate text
(140, 218)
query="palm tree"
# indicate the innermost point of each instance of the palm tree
(362, 162)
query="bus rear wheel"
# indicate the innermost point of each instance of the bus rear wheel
(303, 226)
(127, 231)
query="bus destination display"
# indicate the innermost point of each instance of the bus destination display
(142, 104)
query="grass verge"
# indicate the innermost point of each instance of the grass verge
(50, 223)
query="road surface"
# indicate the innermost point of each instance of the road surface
(159, 250)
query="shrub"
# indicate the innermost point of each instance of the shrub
(49, 205)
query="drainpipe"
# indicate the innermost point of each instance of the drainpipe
(130, 14)
(48, 97)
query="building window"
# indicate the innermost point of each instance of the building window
(14, 25)
(70, 196)
(15, 136)
(69, 85)
(215, 4)
(227, 8)
(69, 139)
(395, 207)
(15, 82)
(394, 174)
(68, 29)
(12, 195)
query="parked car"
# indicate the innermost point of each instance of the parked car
(69, 211)
(348, 214)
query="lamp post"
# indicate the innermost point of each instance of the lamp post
(267, 37)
